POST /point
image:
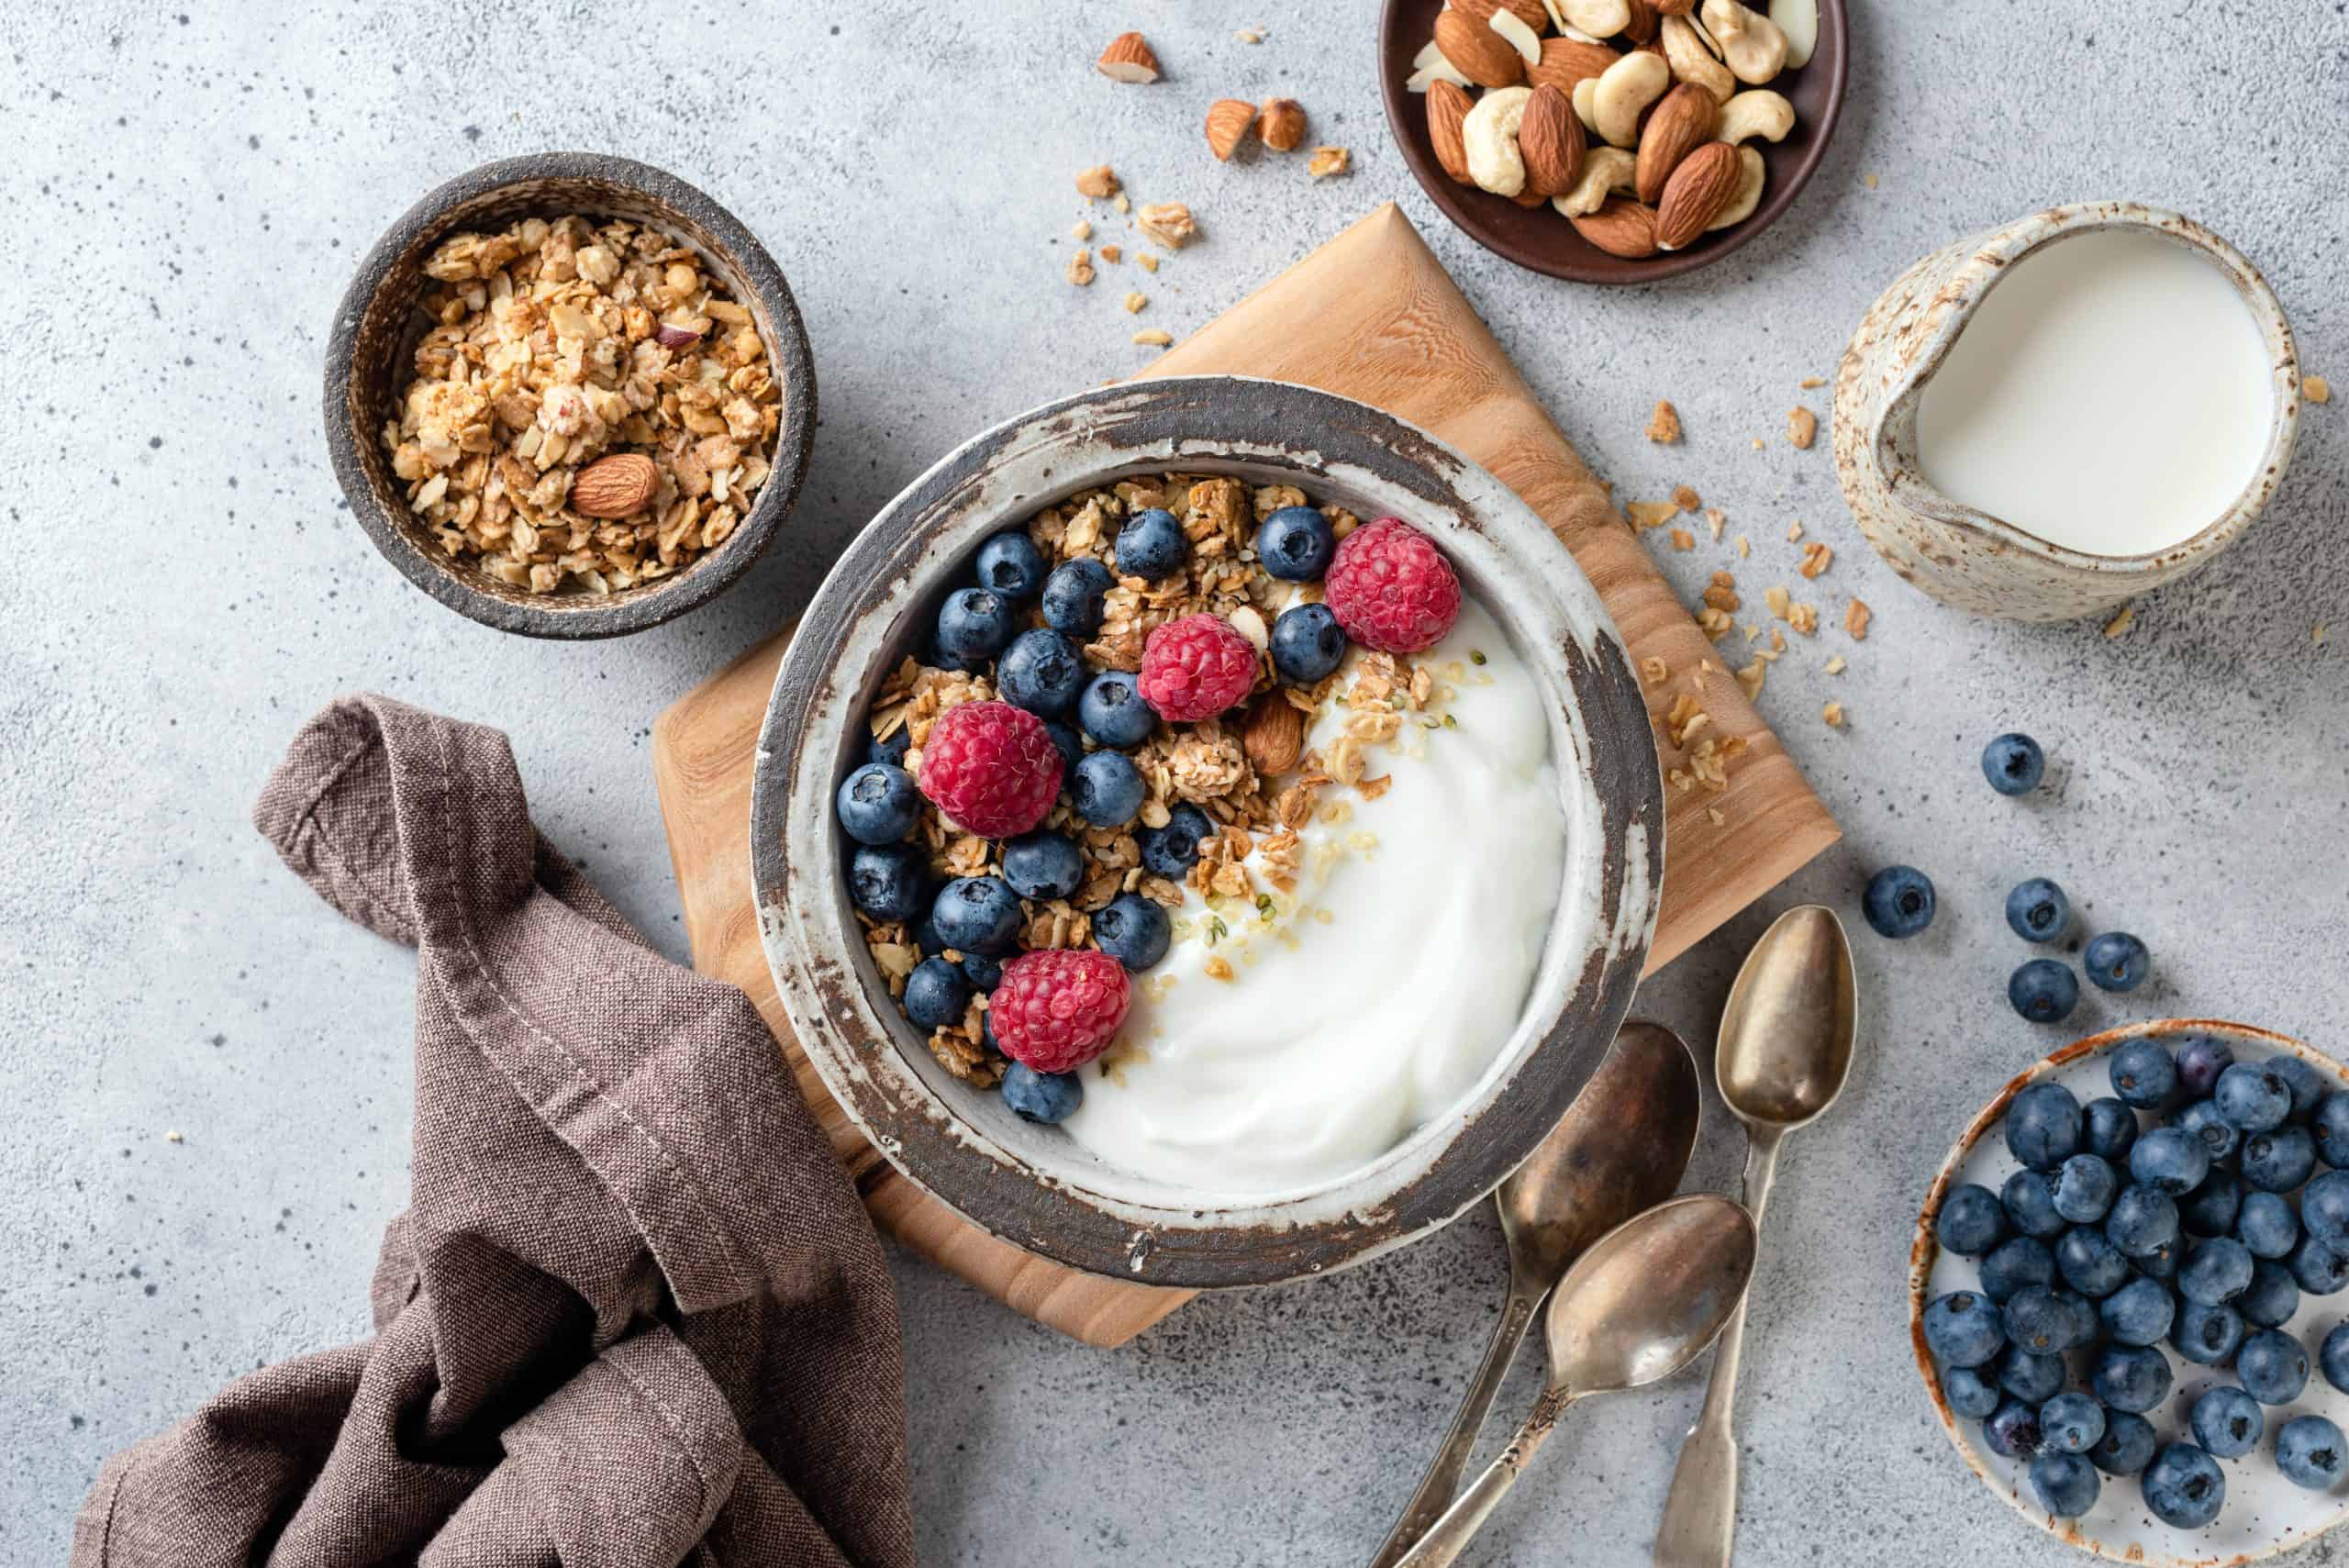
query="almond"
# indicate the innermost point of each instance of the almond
(615, 486)
(1564, 62)
(1530, 12)
(1681, 123)
(1273, 735)
(1281, 122)
(1447, 112)
(1550, 140)
(1620, 228)
(1673, 7)
(1478, 53)
(1694, 195)
(1128, 59)
(1229, 123)
(1645, 20)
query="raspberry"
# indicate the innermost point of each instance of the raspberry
(1391, 588)
(1196, 667)
(1055, 1010)
(991, 767)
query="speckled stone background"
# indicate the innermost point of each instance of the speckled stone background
(188, 186)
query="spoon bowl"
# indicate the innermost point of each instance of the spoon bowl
(1786, 1030)
(1650, 1295)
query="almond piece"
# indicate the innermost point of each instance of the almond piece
(1281, 123)
(1550, 140)
(1673, 7)
(1530, 12)
(1697, 193)
(1273, 735)
(1565, 62)
(1679, 125)
(1479, 54)
(1447, 112)
(1128, 59)
(615, 486)
(1229, 123)
(1645, 18)
(1620, 228)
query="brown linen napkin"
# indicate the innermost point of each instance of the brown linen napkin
(634, 1314)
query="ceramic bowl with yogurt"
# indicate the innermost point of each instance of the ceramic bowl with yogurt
(1243, 1160)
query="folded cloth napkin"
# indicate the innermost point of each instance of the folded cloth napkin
(634, 1314)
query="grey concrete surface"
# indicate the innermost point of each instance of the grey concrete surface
(191, 184)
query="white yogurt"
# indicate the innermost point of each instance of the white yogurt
(1375, 995)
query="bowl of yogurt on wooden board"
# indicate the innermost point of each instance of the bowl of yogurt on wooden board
(2043, 421)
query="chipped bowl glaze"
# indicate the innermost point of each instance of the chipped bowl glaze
(1970, 559)
(1033, 1185)
(2264, 1513)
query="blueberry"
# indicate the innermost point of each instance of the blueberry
(2272, 1296)
(974, 625)
(2012, 1431)
(2070, 1423)
(2228, 1422)
(1306, 643)
(1107, 791)
(2203, 1119)
(2014, 1263)
(1971, 1221)
(2200, 1059)
(2280, 1161)
(2183, 1487)
(2333, 1357)
(2084, 1189)
(2210, 1208)
(2317, 1268)
(1295, 544)
(1134, 930)
(2253, 1098)
(878, 804)
(2324, 1209)
(2014, 765)
(2038, 910)
(2107, 1129)
(2144, 1075)
(2043, 991)
(2043, 1126)
(2206, 1335)
(2308, 1084)
(2041, 1320)
(1010, 564)
(2216, 1270)
(1043, 865)
(2161, 1263)
(2116, 961)
(2171, 1159)
(1969, 1393)
(1065, 741)
(2029, 1198)
(985, 973)
(1899, 902)
(2067, 1484)
(2091, 1265)
(1151, 545)
(2027, 1376)
(1170, 852)
(1112, 711)
(891, 748)
(1046, 1097)
(978, 914)
(1040, 672)
(2266, 1225)
(2134, 1378)
(889, 881)
(2139, 1313)
(2143, 1219)
(1962, 1329)
(2309, 1452)
(2272, 1367)
(2330, 1125)
(937, 993)
(2127, 1446)
(1074, 595)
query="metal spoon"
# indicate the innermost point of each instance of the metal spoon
(1621, 1147)
(1785, 1050)
(1642, 1303)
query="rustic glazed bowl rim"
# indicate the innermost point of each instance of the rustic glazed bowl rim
(1030, 1185)
(1893, 450)
(745, 265)
(1924, 1250)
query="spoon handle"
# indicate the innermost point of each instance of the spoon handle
(1442, 1478)
(1451, 1534)
(1700, 1524)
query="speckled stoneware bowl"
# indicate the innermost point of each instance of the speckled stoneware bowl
(2264, 1513)
(1031, 1184)
(1968, 557)
(377, 325)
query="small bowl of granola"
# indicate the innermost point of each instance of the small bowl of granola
(1206, 831)
(569, 396)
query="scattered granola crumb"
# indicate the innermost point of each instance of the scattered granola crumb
(1714, 518)
(1748, 679)
(1112, 253)
(1153, 336)
(1080, 229)
(1097, 182)
(1794, 531)
(1121, 203)
(1713, 815)
(1249, 35)
(1148, 260)
(1080, 268)
(1663, 424)
(1856, 616)
(1778, 599)
(2315, 389)
(1757, 443)
(2316, 634)
(1869, 180)
(1804, 618)
(1646, 514)
(1834, 714)
(1655, 672)
(1812, 383)
(1722, 594)
(1802, 427)
(1169, 223)
(1217, 969)
(1685, 498)
(1836, 666)
(1328, 161)
(1744, 547)
(1683, 540)
(1134, 302)
(1817, 556)
(2118, 624)
(173, 1136)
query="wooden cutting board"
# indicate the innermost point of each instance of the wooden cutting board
(1371, 315)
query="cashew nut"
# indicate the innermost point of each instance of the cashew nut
(1583, 92)
(1490, 135)
(1750, 44)
(1628, 85)
(1693, 60)
(1605, 171)
(1599, 18)
(1799, 20)
(1759, 112)
(1748, 196)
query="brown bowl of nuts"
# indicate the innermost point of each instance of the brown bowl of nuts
(570, 395)
(1612, 141)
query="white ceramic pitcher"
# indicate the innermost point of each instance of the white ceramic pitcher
(1968, 557)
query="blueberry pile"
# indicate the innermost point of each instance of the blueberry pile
(2120, 1235)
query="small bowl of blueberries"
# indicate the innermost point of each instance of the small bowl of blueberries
(2126, 1293)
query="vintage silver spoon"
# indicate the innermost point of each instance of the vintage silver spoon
(1641, 1304)
(1621, 1147)
(1784, 1053)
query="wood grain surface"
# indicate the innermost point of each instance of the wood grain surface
(1371, 315)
